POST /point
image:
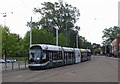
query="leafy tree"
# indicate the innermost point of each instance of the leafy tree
(83, 43)
(0, 41)
(61, 39)
(5, 44)
(110, 34)
(96, 48)
(39, 36)
(10, 42)
(57, 15)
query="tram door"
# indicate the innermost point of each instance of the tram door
(50, 59)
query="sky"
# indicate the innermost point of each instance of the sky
(95, 16)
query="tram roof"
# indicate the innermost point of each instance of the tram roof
(68, 49)
(48, 47)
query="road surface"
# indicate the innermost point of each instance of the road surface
(99, 69)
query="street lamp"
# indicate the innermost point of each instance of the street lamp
(5, 15)
(29, 24)
(66, 29)
(77, 29)
(57, 36)
(31, 32)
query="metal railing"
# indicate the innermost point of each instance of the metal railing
(15, 63)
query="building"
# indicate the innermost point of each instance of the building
(116, 45)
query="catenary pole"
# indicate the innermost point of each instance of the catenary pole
(31, 32)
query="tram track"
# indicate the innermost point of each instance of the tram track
(37, 75)
(57, 71)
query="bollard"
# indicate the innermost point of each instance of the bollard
(12, 65)
(19, 65)
(25, 64)
(5, 66)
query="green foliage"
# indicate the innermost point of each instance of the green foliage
(61, 39)
(39, 36)
(83, 43)
(57, 15)
(42, 36)
(109, 34)
(10, 42)
(0, 41)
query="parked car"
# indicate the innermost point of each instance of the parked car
(7, 61)
(2, 61)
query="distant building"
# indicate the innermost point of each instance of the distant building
(116, 45)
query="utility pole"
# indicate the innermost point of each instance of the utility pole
(76, 39)
(56, 36)
(105, 49)
(77, 29)
(66, 36)
(31, 32)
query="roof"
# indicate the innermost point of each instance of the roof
(48, 47)
(68, 49)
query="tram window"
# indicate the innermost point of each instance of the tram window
(65, 56)
(50, 54)
(44, 56)
(31, 55)
(70, 55)
(54, 55)
(60, 55)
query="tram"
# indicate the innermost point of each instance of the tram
(43, 56)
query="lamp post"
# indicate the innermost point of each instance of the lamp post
(31, 32)
(66, 29)
(77, 29)
(76, 39)
(29, 24)
(57, 36)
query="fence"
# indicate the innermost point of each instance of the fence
(15, 63)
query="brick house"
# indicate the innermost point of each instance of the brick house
(116, 45)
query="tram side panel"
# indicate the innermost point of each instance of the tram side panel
(77, 55)
(69, 57)
(84, 56)
(48, 56)
(88, 54)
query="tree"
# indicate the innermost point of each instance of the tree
(57, 15)
(83, 43)
(110, 34)
(61, 39)
(96, 48)
(39, 36)
(5, 44)
(10, 42)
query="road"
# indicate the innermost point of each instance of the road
(99, 69)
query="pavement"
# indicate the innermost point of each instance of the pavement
(98, 69)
